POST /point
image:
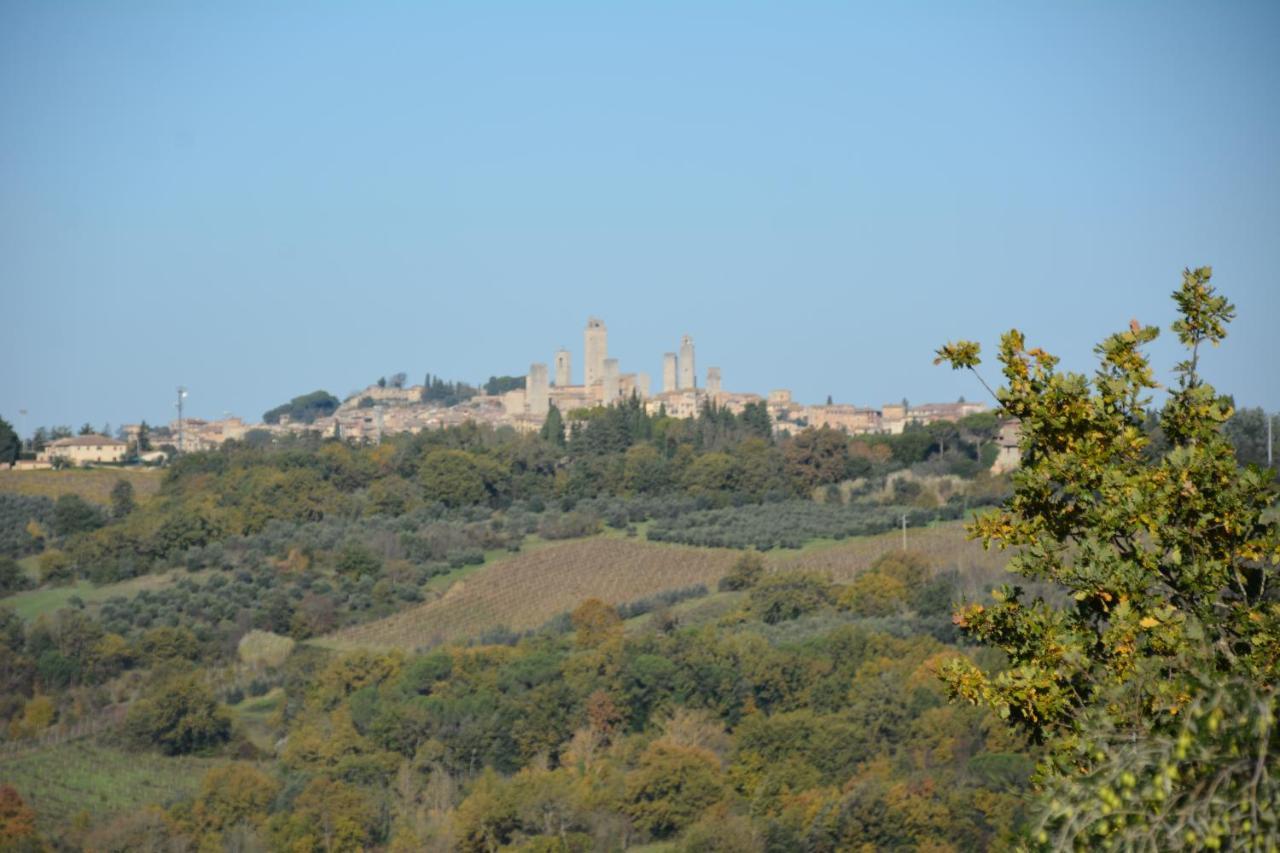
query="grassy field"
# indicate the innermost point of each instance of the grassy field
(33, 602)
(254, 717)
(527, 589)
(92, 484)
(945, 544)
(61, 781)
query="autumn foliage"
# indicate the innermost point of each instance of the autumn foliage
(1152, 674)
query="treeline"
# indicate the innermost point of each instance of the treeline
(502, 384)
(718, 459)
(445, 393)
(303, 409)
(14, 447)
(659, 467)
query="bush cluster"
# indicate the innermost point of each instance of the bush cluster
(790, 524)
(666, 598)
(17, 512)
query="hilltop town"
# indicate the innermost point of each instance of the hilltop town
(391, 407)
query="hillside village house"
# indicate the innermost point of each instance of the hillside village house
(850, 419)
(81, 449)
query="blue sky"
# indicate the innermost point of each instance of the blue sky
(260, 199)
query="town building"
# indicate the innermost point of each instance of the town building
(84, 449)
(846, 418)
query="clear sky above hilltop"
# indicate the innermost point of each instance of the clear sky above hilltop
(260, 199)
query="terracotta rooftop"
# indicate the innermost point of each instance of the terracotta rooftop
(87, 441)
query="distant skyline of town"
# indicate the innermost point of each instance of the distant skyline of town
(963, 387)
(572, 379)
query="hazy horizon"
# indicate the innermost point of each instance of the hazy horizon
(256, 202)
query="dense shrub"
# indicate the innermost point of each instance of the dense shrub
(179, 715)
(12, 577)
(671, 787)
(73, 514)
(20, 517)
(874, 594)
(356, 560)
(640, 606)
(789, 595)
(569, 525)
(746, 573)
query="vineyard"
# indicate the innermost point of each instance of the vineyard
(87, 777)
(527, 590)
(92, 484)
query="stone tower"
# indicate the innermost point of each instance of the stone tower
(669, 376)
(610, 381)
(687, 372)
(642, 385)
(595, 350)
(713, 381)
(564, 368)
(536, 392)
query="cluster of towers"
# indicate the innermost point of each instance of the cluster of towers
(603, 381)
(679, 372)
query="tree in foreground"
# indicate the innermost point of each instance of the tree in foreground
(1150, 672)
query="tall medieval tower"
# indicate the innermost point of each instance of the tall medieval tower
(687, 371)
(596, 350)
(610, 379)
(564, 368)
(536, 392)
